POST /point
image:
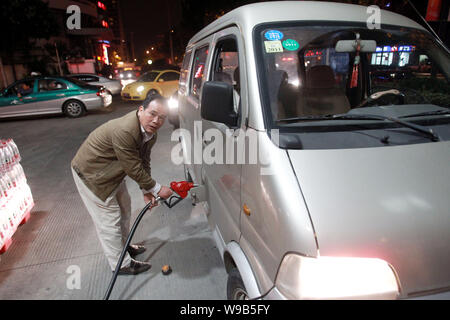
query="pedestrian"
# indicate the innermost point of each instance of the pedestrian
(118, 148)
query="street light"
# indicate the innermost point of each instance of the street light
(147, 52)
(149, 61)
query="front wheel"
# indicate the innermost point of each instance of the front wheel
(235, 286)
(73, 109)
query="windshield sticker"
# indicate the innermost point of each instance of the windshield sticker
(290, 44)
(273, 46)
(273, 35)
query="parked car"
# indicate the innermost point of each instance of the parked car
(46, 95)
(164, 82)
(113, 86)
(319, 179)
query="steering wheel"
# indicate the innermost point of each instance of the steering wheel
(375, 97)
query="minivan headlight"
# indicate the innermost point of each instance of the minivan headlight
(336, 278)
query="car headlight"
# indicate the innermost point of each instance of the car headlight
(140, 89)
(173, 103)
(336, 278)
(121, 75)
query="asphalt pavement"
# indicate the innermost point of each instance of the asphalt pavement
(56, 254)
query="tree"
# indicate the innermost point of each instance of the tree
(20, 22)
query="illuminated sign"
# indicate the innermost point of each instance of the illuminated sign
(105, 53)
(101, 5)
(313, 53)
(396, 49)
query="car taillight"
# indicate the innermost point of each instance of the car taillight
(100, 92)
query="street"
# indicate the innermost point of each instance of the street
(56, 254)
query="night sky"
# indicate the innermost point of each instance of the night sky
(147, 18)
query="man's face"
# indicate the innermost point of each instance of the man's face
(153, 117)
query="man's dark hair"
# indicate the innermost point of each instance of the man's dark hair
(155, 96)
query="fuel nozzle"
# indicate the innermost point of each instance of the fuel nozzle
(182, 187)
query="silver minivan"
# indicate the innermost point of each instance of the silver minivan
(319, 134)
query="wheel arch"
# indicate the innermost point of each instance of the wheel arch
(234, 257)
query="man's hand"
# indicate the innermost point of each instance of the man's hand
(148, 197)
(165, 192)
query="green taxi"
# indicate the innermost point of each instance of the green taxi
(48, 95)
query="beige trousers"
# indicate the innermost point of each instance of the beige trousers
(111, 219)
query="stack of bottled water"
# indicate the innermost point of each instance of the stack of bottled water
(16, 199)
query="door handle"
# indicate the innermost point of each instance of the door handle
(28, 98)
(60, 95)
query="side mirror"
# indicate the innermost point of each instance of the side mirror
(160, 80)
(217, 103)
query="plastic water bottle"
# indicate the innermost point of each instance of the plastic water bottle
(15, 150)
(2, 159)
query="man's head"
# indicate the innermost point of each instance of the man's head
(153, 113)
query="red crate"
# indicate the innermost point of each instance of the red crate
(6, 245)
(25, 219)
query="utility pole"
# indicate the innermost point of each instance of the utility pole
(132, 45)
(169, 22)
(59, 63)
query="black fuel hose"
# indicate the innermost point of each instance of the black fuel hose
(124, 251)
(169, 204)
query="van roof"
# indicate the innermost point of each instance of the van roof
(248, 16)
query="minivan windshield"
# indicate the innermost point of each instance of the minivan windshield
(309, 73)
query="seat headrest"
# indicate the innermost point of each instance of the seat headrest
(224, 77)
(318, 77)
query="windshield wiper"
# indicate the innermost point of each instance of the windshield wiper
(428, 113)
(428, 132)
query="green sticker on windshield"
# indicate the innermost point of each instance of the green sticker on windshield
(290, 44)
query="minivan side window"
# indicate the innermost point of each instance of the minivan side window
(184, 71)
(226, 66)
(198, 70)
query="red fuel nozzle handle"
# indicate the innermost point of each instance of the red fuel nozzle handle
(182, 187)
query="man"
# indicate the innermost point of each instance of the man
(118, 148)
(24, 89)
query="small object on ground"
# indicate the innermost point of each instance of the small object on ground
(166, 270)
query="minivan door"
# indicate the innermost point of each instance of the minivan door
(221, 144)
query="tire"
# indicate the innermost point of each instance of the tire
(235, 286)
(74, 109)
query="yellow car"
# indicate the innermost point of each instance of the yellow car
(164, 82)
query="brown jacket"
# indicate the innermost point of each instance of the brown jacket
(113, 151)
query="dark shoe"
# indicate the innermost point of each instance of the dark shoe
(135, 267)
(134, 250)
